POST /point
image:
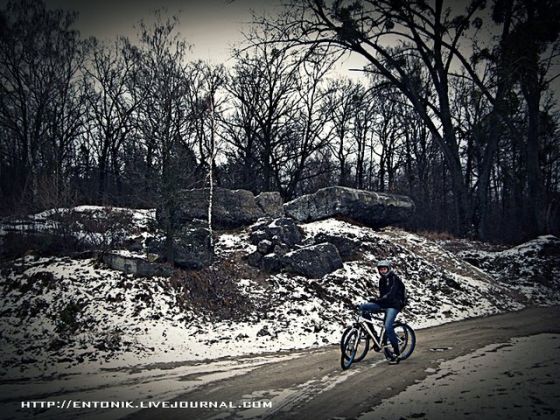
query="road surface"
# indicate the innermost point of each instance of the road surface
(312, 385)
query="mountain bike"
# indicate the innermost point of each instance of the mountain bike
(363, 334)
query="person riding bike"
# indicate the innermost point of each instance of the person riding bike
(391, 300)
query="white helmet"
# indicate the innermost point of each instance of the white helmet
(385, 263)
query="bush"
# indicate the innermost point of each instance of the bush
(67, 322)
(18, 244)
(212, 289)
(101, 230)
(67, 231)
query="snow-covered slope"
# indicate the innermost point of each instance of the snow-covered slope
(81, 315)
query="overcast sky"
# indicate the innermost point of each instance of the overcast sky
(211, 26)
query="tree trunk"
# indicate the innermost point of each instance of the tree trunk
(536, 199)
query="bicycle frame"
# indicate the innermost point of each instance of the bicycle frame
(368, 326)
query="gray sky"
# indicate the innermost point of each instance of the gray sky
(211, 26)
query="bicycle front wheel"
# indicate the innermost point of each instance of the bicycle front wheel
(363, 344)
(407, 341)
(349, 348)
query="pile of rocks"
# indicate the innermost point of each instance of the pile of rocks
(273, 227)
(280, 248)
(274, 238)
(191, 245)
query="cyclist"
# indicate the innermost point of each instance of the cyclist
(391, 300)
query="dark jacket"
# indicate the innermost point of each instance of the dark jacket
(391, 291)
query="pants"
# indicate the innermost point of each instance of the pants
(390, 315)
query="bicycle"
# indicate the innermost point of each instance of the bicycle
(364, 331)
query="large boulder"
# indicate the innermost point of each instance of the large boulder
(192, 248)
(271, 203)
(230, 208)
(370, 208)
(282, 230)
(313, 261)
(272, 263)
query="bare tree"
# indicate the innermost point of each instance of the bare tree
(429, 33)
(213, 80)
(163, 116)
(308, 131)
(263, 85)
(40, 100)
(342, 101)
(113, 97)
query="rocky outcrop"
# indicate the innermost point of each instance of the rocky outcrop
(191, 247)
(271, 203)
(278, 231)
(347, 247)
(279, 248)
(230, 208)
(370, 208)
(313, 261)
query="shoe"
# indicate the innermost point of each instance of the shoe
(395, 359)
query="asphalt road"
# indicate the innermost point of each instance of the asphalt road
(313, 386)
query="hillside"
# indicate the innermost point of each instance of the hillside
(75, 312)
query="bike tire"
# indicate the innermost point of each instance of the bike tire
(349, 348)
(362, 350)
(407, 341)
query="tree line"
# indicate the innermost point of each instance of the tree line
(464, 124)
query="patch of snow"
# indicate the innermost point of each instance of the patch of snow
(153, 383)
(123, 321)
(499, 381)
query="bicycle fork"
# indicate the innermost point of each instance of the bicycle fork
(357, 341)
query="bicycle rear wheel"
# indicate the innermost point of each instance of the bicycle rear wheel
(407, 341)
(363, 345)
(349, 348)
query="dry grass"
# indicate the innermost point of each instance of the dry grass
(436, 236)
(213, 290)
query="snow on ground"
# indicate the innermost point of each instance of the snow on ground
(87, 225)
(160, 383)
(531, 269)
(228, 243)
(441, 286)
(140, 217)
(120, 321)
(78, 315)
(513, 380)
